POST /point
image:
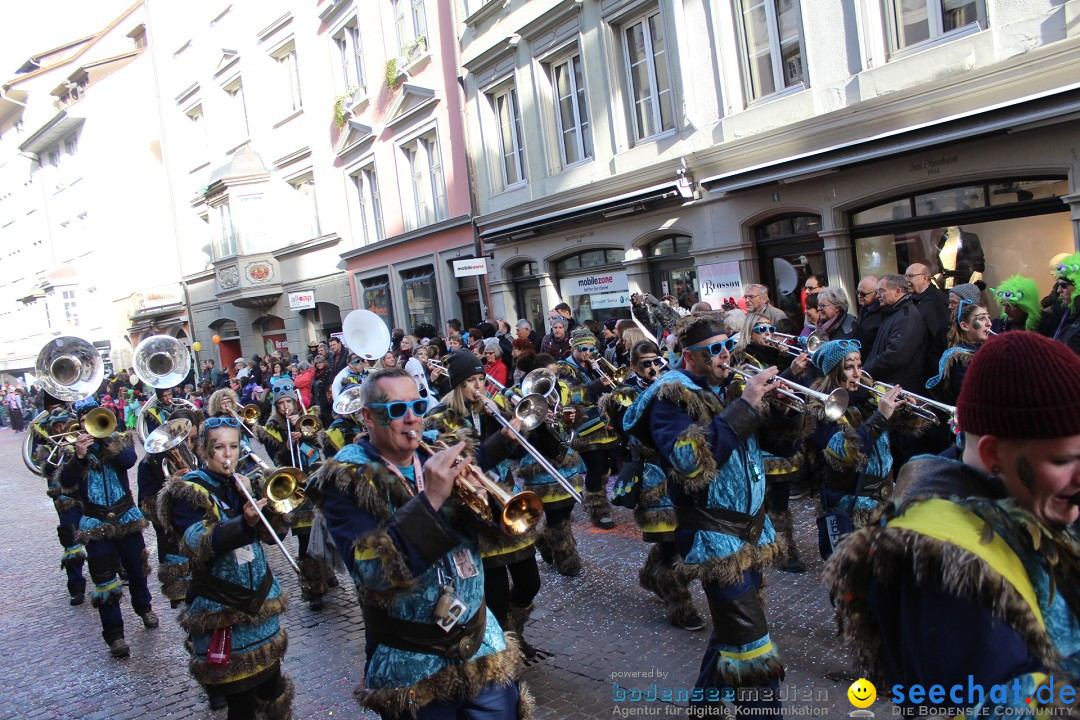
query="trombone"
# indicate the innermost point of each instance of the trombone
(266, 523)
(520, 512)
(546, 464)
(614, 375)
(917, 405)
(249, 414)
(835, 404)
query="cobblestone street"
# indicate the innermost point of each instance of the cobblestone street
(593, 630)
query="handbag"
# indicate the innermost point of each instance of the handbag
(835, 523)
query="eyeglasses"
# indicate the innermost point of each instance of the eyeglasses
(587, 348)
(655, 362)
(216, 422)
(717, 348)
(862, 294)
(822, 306)
(909, 276)
(751, 297)
(396, 410)
(764, 328)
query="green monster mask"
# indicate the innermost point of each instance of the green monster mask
(1023, 293)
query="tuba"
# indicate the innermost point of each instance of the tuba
(70, 368)
(169, 440)
(162, 362)
(545, 383)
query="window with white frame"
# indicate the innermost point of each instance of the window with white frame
(289, 74)
(237, 109)
(196, 134)
(649, 82)
(71, 307)
(350, 58)
(307, 208)
(369, 204)
(424, 166)
(508, 121)
(410, 25)
(225, 243)
(914, 21)
(772, 43)
(571, 114)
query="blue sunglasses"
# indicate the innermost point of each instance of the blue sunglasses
(716, 348)
(764, 328)
(396, 410)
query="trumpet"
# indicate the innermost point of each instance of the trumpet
(917, 405)
(99, 422)
(266, 523)
(614, 375)
(801, 398)
(808, 344)
(519, 514)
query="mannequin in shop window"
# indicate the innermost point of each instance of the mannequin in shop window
(960, 258)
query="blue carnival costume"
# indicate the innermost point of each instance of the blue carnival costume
(401, 552)
(65, 501)
(706, 441)
(232, 590)
(111, 529)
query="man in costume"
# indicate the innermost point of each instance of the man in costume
(597, 442)
(433, 649)
(970, 577)
(706, 440)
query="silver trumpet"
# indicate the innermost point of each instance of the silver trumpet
(801, 398)
(917, 405)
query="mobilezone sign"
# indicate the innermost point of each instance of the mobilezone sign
(599, 284)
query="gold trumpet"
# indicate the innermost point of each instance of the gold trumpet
(519, 513)
(308, 426)
(100, 423)
(801, 398)
(922, 407)
(616, 375)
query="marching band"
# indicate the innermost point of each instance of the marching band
(430, 495)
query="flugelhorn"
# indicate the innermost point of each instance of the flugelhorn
(802, 398)
(518, 513)
(917, 405)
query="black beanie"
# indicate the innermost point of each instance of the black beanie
(462, 365)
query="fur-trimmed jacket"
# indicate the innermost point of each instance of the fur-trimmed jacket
(641, 484)
(400, 551)
(955, 584)
(706, 440)
(100, 483)
(581, 388)
(231, 584)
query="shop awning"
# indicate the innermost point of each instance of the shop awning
(609, 208)
(1059, 105)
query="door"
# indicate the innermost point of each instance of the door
(789, 251)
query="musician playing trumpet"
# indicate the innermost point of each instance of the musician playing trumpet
(234, 603)
(433, 648)
(463, 414)
(288, 447)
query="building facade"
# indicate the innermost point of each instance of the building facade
(86, 235)
(403, 155)
(246, 101)
(688, 148)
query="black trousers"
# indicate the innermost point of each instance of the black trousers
(242, 705)
(501, 594)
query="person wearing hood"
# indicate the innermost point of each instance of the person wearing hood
(969, 577)
(1068, 329)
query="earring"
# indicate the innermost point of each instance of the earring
(996, 470)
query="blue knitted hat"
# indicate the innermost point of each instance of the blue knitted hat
(832, 353)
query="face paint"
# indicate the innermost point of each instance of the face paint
(1025, 472)
(381, 413)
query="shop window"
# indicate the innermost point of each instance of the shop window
(420, 297)
(375, 297)
(772, 41)
(674, 245)
(588, 259)
(977, 232)
(915, 21)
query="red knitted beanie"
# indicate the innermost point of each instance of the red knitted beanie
(1022, 386)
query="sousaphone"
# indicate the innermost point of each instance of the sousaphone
(366, 335)
(70, 368)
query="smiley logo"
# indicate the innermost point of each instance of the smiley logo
(862, 693)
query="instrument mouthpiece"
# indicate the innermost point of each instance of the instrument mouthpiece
(412, 435)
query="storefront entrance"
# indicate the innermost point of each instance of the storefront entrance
(671, 269)
(530, 303)
(789, 251)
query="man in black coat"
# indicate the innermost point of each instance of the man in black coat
(869, 317)
(898, 355)
(525, 330)
(933, 305)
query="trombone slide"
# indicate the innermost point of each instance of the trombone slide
(266, 523)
